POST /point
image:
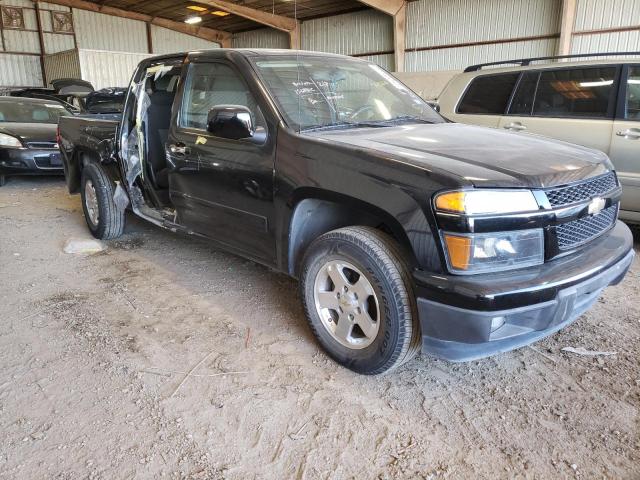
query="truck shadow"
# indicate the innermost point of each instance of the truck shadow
(224, 278)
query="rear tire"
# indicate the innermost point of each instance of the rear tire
(358, 276)
(104, 219)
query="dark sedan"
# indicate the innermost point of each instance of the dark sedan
(28, 143)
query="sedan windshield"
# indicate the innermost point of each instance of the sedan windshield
(314, 92)
(20, 111)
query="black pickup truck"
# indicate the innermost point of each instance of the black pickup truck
(406, 231)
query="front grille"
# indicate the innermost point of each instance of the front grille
(582, 191)
(43, 145)
(577, 232)
(48, 161)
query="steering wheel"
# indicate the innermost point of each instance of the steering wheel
(360, 111)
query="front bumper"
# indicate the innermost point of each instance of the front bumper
(30, 161)
(456, 313)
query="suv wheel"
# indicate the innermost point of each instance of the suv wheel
(357, 294)
(103, 217)
(3, 180)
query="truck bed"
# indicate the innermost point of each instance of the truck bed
(86, 134)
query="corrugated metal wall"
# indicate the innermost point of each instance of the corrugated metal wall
(164, 40)
(62, 65)
(98, 31)
(607, 42)
(443, 22)
(21, 64)
(20, 70)
(22, 40)
(100, 67)
(440, 31)
(441, 34)
(108, 69)
(261, 38)
(601, 14)
(357, 33)
(461, 57)
(605, 15)
(54, 42)
(444, 34)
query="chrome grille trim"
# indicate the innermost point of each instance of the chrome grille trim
(583, 191)
(578, 232)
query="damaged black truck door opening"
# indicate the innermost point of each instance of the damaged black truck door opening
(406, 232)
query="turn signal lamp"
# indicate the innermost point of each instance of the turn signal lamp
(478, 202)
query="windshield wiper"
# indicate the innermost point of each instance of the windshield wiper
(343, 125)
(410, 118)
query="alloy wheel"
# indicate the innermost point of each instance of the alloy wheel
(347, 304)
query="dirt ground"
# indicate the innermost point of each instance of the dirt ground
(164, 358)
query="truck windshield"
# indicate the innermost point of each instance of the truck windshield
(315, 92)
(30, 112)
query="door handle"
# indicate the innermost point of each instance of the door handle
(515, 126)
(179, 149)
(630, 133)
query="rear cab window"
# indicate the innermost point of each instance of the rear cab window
(488, 94)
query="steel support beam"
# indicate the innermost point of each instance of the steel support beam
(279, 22)
(567, 22)
(205, 33)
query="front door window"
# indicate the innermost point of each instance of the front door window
(209, 85)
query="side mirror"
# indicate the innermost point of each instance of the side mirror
(434, 104)
(230, 121)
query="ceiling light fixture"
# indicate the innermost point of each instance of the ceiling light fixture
(219, 13)
(197, 8)
(192, 20)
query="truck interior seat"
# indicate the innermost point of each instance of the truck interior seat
(157, 132)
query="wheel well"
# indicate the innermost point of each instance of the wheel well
(79, 160)
(313, 217)
(74, 171)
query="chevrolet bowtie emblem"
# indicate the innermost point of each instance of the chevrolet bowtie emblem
(596, 205)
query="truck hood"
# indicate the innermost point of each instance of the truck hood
(479, 156)
(30, 132)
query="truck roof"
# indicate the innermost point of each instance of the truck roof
(247, 52)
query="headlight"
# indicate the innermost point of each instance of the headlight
(9, 141)
(478, 202)
(491, 252)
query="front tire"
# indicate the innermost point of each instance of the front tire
(357, 294)
(3, 180)
(104, 219)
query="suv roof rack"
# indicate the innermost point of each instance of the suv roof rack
(527, 61)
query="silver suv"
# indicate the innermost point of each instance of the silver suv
(595, 103)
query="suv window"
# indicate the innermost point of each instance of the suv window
(522, 103)
(632, 110)
(211, 84)
(579, 92)
(488, 94)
